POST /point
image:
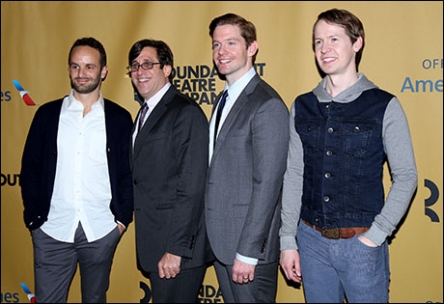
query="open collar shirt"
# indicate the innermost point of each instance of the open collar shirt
(82, 190)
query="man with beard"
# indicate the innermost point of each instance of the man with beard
(76, 181)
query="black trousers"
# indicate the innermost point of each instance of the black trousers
(184, 288)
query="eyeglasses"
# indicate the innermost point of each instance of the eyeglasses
(145, 65)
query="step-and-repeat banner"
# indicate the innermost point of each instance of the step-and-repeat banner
(403, 55)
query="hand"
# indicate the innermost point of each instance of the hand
(121, 228)
(169, 265)
(366, 241)
(291, 265)
(243, 273)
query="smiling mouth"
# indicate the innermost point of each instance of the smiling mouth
(327, 60)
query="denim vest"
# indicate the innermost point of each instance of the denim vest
(343, 159)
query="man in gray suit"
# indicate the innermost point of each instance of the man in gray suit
(169, 166)
(248, 152)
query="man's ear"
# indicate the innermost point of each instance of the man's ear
(358, 44)
(167, 69)
(253, 48)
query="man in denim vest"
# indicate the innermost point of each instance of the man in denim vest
(335, 216)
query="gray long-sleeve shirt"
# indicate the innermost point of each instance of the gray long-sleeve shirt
(397, 146)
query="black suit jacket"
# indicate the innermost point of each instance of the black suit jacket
(39, 162)
(169, 164)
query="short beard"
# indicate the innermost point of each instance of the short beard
(85, 89)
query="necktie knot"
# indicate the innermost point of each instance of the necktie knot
(142, 115)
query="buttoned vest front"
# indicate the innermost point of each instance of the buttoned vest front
(343, 159)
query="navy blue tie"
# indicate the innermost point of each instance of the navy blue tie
(219, 113)
(142, 114)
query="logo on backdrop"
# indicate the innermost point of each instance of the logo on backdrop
(146, 292)
(23, 93)
(431, 200)
(425, 85)
(10, 179)
(6, 96)
(10, 297)
(210, 294)
(207, 294)
(199, 82)
(13, 297)
(31, 296)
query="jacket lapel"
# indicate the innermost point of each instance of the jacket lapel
(154, 117)
(238, 106)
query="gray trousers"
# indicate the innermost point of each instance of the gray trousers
(261, 290)
(55, 264)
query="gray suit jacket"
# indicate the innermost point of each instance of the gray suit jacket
(244, 180)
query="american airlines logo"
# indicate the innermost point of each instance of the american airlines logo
(23, 93)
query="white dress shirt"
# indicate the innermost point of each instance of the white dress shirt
(152, 103)
(82, 190)
(233, 93)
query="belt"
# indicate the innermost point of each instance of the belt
(338, 233)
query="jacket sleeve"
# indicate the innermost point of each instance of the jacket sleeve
(119, 128)
(38, 165)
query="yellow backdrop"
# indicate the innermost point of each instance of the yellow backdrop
(403, 55)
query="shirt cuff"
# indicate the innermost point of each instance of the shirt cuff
(251, 261)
